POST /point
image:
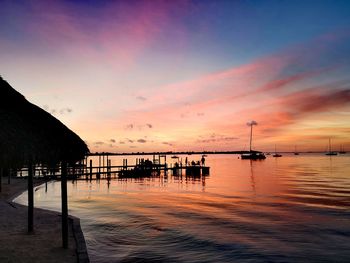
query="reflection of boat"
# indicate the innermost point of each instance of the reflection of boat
(252, 155)
(276, 154)
(330, 149)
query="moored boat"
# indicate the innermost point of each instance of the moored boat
(276, 154)
(295, 150)
(252, 155)
(330, 152)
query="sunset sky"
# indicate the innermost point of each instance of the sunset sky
(184, 75)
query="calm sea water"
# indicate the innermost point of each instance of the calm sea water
(289, 209)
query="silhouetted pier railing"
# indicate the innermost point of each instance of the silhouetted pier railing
(105, 170)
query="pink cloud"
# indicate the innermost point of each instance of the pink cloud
(277, 113)
(124, 33)
(265, 90)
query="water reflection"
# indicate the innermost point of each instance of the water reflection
(295, 209)
(251, 162)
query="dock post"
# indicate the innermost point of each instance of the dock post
(107, 164)
(99, 163)
(64, 200)
(80, 163)
(73, 171)
(9, 176)
(103, 163)
(108, 169)
(86, 163)
(90, 170)
(30, 198)
(46, 184)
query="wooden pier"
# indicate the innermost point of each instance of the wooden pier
(142, 168)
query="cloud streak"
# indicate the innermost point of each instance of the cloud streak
(103, 39)
(271, 90)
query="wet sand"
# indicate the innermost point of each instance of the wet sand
(45, 244)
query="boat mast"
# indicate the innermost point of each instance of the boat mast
(251, 135)
(329, 145)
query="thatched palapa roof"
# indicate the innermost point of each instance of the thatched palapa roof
(30, 134)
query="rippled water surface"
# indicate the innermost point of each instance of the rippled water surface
(289, 209)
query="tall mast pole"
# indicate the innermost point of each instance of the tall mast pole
(251, 134)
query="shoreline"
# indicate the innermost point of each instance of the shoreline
(44, 244)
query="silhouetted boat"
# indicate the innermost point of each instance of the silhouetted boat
(330, 149)
(342, 150)
(295, 150)
(276, 154)
(252, 155)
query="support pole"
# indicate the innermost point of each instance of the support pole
(30, 198)
(9, 176)
(103, 163)
(64, 200)
(90, 169)
(0, 179)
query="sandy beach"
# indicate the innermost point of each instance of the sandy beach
(45, 244)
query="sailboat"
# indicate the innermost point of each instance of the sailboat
(252, 155)
(295, 150)
(330, 148)
(276, 154)
(342, 150)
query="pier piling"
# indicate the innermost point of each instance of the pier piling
(30, 198)
(90, 170)
(0, 179)
(64, 200)
(9, 176)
